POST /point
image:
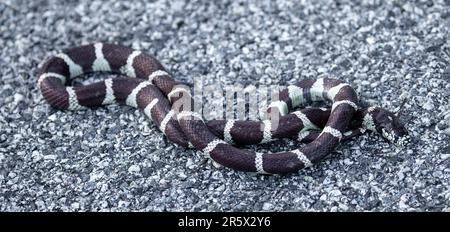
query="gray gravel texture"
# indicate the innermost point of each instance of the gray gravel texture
(114, 159)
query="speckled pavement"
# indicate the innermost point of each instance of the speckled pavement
(114, 159)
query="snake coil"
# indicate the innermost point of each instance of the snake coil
(148, 86)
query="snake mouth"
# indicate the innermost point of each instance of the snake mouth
(403, 141)
(398, 140)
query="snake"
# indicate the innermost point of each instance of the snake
(145, 84)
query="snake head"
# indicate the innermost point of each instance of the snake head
(387, 124)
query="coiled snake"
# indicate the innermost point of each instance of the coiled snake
(148, 86)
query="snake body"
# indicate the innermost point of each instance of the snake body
(145, 84)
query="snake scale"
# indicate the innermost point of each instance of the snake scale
(144, 83)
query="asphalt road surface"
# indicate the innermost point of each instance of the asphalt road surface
(114, 159)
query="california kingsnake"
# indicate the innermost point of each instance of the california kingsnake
(149, 87)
